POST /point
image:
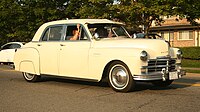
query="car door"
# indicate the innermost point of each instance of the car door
(73, 58)
(48, 48)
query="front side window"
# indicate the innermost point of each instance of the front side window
(53, 33)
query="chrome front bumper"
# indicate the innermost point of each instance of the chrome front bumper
(159, 76)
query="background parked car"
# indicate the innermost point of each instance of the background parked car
(7, 51)
(148, 36)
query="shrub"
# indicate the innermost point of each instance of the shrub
(192, 53)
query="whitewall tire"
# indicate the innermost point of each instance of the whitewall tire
(31, 77)
(120, 78)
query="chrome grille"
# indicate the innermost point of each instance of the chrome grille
(155, 65)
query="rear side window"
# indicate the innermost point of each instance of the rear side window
(53, 33)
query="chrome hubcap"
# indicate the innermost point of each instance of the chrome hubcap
(28, 76)
(119, 76)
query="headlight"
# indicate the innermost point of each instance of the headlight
(143, 55)
(179, 54)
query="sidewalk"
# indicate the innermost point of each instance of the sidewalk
(2, 66)
(189, 68)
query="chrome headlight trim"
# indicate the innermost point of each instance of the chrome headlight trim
(143, 56)
(179, 54)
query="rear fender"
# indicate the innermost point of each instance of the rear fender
(27, 60)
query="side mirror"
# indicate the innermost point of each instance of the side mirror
(96, 37)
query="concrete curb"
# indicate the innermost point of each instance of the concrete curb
(189, 68)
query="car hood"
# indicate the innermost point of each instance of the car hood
(154, 47)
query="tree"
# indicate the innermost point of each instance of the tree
(19, 19)
(88, 8)
(8, 20)
(37, 12)
(189, 9)
(143, 12)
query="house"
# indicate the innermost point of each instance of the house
(179, 32)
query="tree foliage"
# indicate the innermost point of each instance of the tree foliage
(88, 8)
(189, 9)
(19, 19)
(143, 12)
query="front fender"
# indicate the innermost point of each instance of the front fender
(100, 58)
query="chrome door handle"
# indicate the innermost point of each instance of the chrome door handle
(39, 44)
(62, 45)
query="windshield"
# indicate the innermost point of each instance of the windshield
(107, 31)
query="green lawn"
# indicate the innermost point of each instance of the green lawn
(191, 59)
(191, 63)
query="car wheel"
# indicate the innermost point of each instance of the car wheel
(31, 77)
(120, 78)
(162, 83)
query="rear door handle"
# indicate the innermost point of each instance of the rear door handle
(39, 44)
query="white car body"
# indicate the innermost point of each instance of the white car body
(7, 51)
(89, 59)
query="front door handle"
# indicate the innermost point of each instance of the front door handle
(62, 45)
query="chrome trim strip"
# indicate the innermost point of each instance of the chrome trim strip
(70, 78)
(156, 66)
(156, 76)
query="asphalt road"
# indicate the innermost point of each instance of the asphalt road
(62, 95)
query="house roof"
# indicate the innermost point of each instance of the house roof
(174, 23)
(174, 27)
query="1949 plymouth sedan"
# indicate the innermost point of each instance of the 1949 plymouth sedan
(98, 49)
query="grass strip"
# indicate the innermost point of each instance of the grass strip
(191, 63)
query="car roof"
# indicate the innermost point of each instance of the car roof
(71, 21)
(82, 21)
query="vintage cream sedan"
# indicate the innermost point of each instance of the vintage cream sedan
(102, 50)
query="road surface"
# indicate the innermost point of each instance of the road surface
(62, 95)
